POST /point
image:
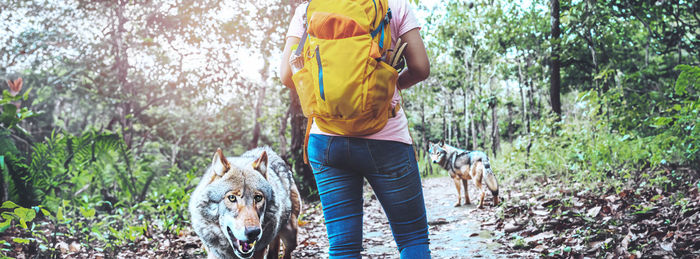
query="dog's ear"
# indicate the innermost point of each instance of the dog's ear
(260, 164)
(219, 164)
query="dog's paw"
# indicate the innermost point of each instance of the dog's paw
(457, 204)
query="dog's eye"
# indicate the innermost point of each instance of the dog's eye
(258, 198)
(232, 198)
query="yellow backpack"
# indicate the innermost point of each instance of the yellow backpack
(344, 83)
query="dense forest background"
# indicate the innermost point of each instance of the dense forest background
(111, 110)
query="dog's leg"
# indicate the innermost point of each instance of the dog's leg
(495, 200)
(210, 255)
(466, 191)
(261, 254)
(481, 200)
(288, 235)
(274, 248)
(459, 189)
(476, 172)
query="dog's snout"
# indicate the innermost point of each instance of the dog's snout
(252, 232)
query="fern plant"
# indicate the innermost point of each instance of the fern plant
(65, 166)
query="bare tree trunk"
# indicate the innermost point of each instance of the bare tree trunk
(426, 130)
(121, 63)
(521, 83)
(258, 112)
(495, 136)
(450, 118)
(281, 132)
(443, 109)
(510, 128)
(529, 137)
(258, 105)
(473, 130)
(466, 119)
(482, 130)
(307, 186)
(555, 76)
(174, 150)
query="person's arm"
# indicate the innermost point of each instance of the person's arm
(285, 69)
(417, 64)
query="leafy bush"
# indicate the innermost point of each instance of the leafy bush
(601, 146)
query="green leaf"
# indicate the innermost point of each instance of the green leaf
(25, 96)
(9, 205)
(59, 214)
(5, 225)
(25, 214)
(23, 223)
(87, 213)
(20, 240)
(9, 108)
(661, 121)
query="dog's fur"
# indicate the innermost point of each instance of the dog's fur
(244, 205)
(465, 165)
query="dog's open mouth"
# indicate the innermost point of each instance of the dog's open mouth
(245, 248)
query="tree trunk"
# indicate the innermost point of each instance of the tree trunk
(449, 120)
(555, 76)
(521, 83)
(473, 130)
(256, 117)
(425, 146)
(281, 132)
(510, 129)
(466, 119)
(307, 186)
(444, 121)
(121, 64)
(482, 131)
(529, 137)
(495, 137)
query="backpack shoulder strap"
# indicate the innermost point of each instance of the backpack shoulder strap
(380, 28)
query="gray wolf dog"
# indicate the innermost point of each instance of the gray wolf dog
(244, 206)
(464, 165)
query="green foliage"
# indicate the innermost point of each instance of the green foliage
(12, 168)
(600, 145)
(12, 114)
(675, 126)
(11, 212)
(65, 164)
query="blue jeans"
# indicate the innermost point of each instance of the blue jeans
(340, 164)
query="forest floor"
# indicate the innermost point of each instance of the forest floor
(455, 232)
(542, 218)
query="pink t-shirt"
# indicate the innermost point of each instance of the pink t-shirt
(403, 20)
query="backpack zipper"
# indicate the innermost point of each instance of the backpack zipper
(320, 73)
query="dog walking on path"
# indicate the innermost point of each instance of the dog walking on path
(463, 166)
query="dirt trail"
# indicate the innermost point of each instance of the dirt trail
(455, 232)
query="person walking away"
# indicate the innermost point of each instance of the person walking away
(385, 158)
